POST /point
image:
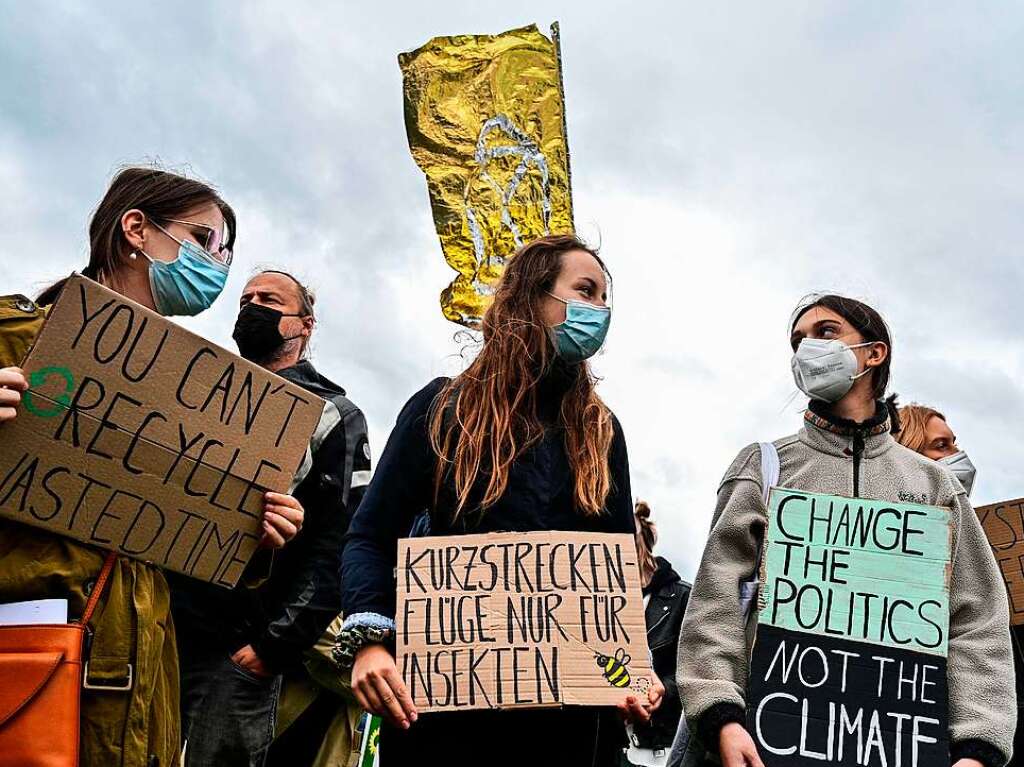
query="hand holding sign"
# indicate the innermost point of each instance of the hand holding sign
(282, 520)
(639, 710)
(12, 383)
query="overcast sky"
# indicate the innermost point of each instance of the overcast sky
(729, 158)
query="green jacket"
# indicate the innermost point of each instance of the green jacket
(137, 727)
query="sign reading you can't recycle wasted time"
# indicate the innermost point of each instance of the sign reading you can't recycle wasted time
(140, 437)
(521, 620)
(849, 660)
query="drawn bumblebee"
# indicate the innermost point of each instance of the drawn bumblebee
(614, 668)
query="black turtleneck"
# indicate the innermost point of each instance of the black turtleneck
(846, 425)
(552, 388)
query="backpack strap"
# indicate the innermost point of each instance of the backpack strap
(770, 467)
(120, 683)
(99, 588)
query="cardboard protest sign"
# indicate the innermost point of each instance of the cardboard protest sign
(849, 661)
(521, 620)
(140, 437)
(1004, 526)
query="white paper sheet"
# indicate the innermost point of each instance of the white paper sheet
(35, 612)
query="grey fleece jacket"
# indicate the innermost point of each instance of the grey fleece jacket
(715, 643)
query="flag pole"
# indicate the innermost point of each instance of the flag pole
(557, 39)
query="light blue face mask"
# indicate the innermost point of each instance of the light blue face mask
(190, 283)
(582, 334)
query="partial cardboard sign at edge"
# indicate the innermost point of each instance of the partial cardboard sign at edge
(1004, 525)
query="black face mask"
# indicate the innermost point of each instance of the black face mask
(257, 332)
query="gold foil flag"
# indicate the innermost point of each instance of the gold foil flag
(485, 116)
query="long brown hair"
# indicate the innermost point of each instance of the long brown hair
(646, 538)
(159, 194)
(486, 417)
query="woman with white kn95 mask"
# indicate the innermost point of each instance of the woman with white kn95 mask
(842, 355)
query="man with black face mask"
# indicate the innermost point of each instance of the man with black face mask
(236, 645)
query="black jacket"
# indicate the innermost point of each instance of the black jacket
(1017, 637)
(540, 496)
(289, 611)
(667, 597)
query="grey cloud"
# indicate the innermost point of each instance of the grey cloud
(732, 157)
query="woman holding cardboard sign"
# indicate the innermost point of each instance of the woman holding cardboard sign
(163, 241)
(842, 352)
(519, 442)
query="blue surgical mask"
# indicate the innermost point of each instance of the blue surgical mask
(190, 283)
(582, 334)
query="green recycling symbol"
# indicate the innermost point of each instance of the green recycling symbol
(39, 379)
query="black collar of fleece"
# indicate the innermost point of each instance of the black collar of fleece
(819, 414)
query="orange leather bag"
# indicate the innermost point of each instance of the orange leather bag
(41, 673)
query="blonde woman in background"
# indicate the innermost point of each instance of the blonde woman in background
(926, 431)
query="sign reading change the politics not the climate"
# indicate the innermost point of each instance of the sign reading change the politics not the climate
(140, 437)
(849, 661)
(521, 620)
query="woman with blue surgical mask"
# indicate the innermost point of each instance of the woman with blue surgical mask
(519, 442)
(163, 241)
(842, 353)
(168, 249)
